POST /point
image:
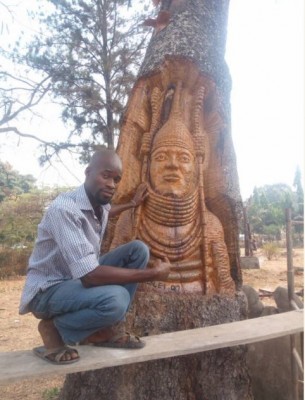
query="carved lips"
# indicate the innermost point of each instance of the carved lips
(172, 178)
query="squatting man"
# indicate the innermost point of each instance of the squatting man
(80, 295)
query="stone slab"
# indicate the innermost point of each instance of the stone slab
(250, 262)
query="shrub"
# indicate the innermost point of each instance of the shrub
(271, 250)
(13, 262)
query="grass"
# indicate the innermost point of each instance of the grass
(51, 394)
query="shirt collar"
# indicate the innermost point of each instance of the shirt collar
(83, 201)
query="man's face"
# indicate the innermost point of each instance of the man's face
(172, 171)
(103, 178)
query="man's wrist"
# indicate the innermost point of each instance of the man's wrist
(152, 274)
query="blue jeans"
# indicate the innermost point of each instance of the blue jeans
(78, 312)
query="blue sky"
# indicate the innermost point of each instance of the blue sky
(265, 54)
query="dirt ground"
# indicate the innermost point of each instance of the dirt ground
(20, 332)
(273, 273)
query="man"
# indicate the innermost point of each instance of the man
(79, 295)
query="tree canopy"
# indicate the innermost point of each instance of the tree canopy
(266, 208)
(12, 183)
(297, 184)
(87, 53)
(20, 216)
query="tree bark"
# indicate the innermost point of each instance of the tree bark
(218, 375)
(187, 46)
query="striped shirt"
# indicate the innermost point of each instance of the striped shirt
(67, 246)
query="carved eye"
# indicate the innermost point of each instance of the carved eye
(184, 158)
(160, 157)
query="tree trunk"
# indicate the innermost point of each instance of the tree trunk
(183, 89)
(214, 375)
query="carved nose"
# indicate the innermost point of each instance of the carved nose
(173, 162)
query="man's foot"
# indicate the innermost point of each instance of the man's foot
(114, 337)
(122, 341)
(56, 356)
(55, 349)
(99, 336)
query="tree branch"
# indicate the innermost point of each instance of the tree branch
(15, 130)
(37, 95)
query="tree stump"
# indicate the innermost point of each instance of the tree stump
(219, 375)
(180, 101)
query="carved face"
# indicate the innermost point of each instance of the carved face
(172, 171)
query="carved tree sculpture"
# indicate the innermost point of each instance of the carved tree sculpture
(176, 137)
(175, 221)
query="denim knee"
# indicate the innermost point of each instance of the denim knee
(117, 304)
(141, 248)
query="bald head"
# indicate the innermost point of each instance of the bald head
(102, 176)
(103, 155)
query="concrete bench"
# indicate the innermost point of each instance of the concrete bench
(24, 365)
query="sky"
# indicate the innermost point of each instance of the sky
(265, 55)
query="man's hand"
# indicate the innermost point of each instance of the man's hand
(109, 275)
(141, 194)
(162, 268)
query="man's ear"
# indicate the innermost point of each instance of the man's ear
(87, 171)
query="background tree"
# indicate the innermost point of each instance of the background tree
(85, 58)
(6, 14)
(297, 184)
(298, 230)
(90, 50)
(19, 217)
(20, 91)
(266, 209)
(12, 183)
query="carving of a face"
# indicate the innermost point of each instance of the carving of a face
(172, 171)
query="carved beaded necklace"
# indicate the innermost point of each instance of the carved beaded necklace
(180, 215)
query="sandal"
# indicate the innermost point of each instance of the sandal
(56, 354)
(130, 342)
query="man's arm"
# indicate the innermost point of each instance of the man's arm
(118, 208)
(138, 198)
(109, 275)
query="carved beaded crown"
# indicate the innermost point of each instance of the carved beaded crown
(174, 132)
